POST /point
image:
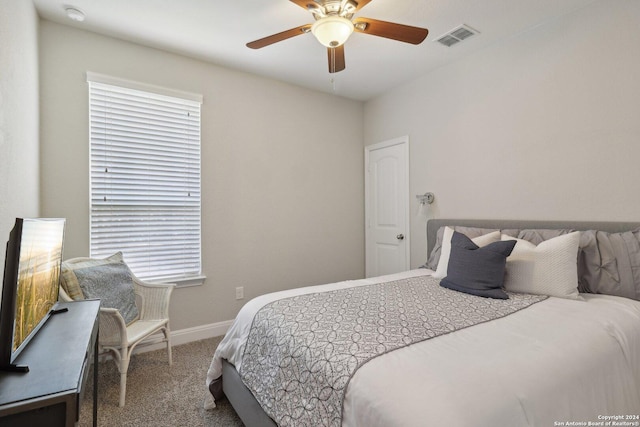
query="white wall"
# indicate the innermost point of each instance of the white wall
(282, 196)
(542, 126)
(19, 139)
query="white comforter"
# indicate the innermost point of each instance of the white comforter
(557, 362)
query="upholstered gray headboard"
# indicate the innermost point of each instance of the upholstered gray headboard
(612, 227)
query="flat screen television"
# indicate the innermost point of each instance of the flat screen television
(30, 287)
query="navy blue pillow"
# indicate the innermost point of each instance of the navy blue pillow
(475, 270)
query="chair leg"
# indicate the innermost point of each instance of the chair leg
(167, 336)
(123, 367)
(123, 388)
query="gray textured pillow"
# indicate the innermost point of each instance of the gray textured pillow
(477, 271)
(111, 281)
(609, 263)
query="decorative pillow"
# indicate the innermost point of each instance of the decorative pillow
(547, 269)
(108, 279)
(69, 281)
(609, 263)
(443, 263)
(539, 235)
(477, 270)
(436, 251)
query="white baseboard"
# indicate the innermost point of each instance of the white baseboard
(196, 333)
(201, 332)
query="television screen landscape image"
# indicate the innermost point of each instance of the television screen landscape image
(30, 287)
(38, 275)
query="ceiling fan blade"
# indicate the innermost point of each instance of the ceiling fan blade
(336, 58)
(390, 30)
(274, 38)
(361, 4)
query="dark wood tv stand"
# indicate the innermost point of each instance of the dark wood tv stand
(59, 357)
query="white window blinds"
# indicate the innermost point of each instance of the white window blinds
(145, 180)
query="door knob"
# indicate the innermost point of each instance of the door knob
(400, 236)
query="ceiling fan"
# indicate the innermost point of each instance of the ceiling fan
(334, 24)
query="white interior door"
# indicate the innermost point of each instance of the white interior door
(387, 207)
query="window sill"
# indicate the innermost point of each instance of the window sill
(186, 282)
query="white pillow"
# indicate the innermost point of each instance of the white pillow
(443, 263)
(551, 268)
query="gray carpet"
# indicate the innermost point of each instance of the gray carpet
(159, 394)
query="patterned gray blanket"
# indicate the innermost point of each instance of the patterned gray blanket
(302, 351)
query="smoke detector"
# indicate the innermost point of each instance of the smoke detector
(74, 13)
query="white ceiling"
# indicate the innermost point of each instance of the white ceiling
(217, 31)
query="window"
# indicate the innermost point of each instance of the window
(145, 178)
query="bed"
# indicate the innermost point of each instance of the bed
(555, 352)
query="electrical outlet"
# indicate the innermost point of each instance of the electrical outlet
(240, 292)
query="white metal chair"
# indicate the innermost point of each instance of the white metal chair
(152, 301)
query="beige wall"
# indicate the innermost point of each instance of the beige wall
(19, 187)
(282, 169)
(542, 126)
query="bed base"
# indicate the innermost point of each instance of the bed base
(240, 397)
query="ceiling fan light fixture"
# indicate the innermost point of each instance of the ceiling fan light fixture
(332, 31)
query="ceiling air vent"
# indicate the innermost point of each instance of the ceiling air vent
(456, 35)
